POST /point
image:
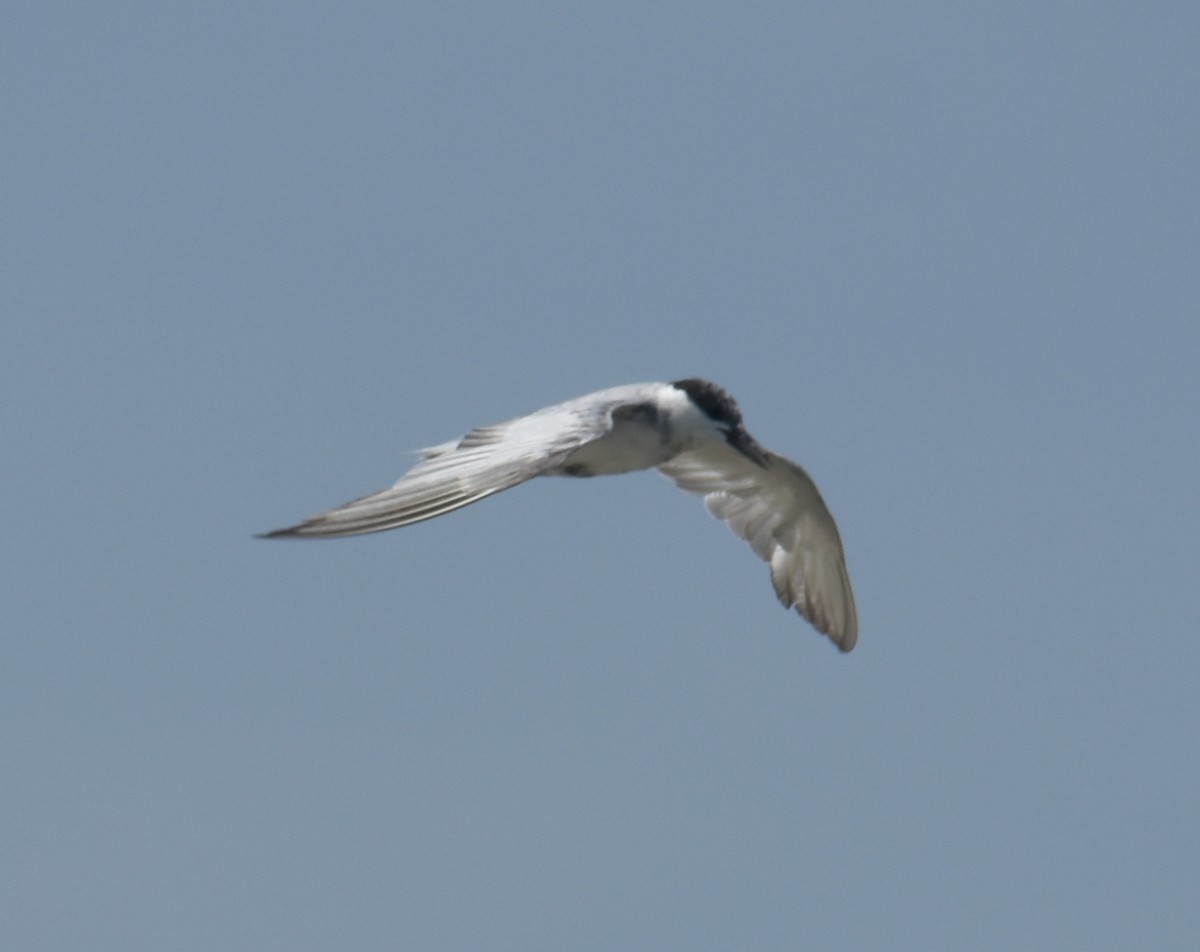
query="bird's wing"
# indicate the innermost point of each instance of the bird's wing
(452, 475)
(777, 509)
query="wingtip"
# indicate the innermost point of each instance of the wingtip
(289, 532)
(844, 639)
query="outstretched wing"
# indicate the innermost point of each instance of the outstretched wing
(485, 461)
(777, 509)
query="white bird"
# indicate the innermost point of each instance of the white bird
(690, 430)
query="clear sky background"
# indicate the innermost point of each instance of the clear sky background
(946, 255)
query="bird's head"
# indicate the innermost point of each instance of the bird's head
(716, 404)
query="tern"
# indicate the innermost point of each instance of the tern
(690, 431)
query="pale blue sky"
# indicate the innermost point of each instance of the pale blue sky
(945, 255)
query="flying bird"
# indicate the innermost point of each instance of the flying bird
(690, 431)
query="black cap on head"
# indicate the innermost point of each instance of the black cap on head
(721, 408)
(716, 403)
